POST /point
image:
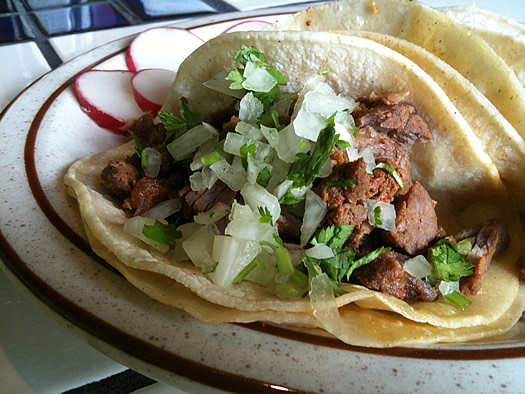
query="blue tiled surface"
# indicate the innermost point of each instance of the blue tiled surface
(6, 6)
(11, 29)
(151, 9)
(40, 4)
(82, 18)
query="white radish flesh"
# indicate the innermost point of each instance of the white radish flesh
(151, 87)
(107, 98)
(161, 47)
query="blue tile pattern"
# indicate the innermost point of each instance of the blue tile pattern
(11, 29)
(40, 4)
(153, 9)
(77, 19)
(6, 6)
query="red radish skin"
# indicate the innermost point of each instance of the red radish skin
(253, 25)
(150, 49)
(107, 98)
(151, 87)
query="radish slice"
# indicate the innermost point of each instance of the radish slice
(107, 98)
(161, 47)
(150, 88)
(254, 25)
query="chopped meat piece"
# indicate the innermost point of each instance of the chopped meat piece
(229, 127)
(520, 265)
(147, 193)
(205, 200)
(119, 177)
(388, 114)
(488, 240)
(416, 221)
(386, 274)
(388, 151)
(289, 227)
(152, 135)
(338, 157)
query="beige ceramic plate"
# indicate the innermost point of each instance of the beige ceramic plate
(43, 245)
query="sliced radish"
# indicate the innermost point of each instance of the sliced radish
(254, 25)
(151, 87)
(161, 47)
(107, 98)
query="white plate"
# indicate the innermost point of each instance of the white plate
(42, 241)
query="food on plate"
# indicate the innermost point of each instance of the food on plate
(151, 87)
(292, 174)
(446, 51)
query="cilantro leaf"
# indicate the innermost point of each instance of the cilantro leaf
(264, 177)
(334, 236)
(392, 172)
(249, 54)
(341, 183)
(307, 167)
(458, 299)
(280, 78)
(138, 145)
(447, 264)
(269, 98)
(162, 233)
(189, 119)
(377, 216)
(365, 260)
(237, 79)
(246, 150)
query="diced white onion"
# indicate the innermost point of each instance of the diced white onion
(187, 229)
(290, 144)
(135, 226)
(153, 162)
(271, 134)
(258, 78)
(164, 209)
(264, 272)
(215, 214)
(233, 175)
(220, 84)
(199, 247)
(387, 216)
(257, 196)
(314, 212)
(279, 171)
(418, 266)
(368, 156)
(281, 189)
(184, 146)
(232, 256)
(250, 108)
(326, 104)
(326, 169)
(320, 251)
(300, 192)
(308, 125)
(197, 182)
(248, 130)
(448, 287)
(324, 306)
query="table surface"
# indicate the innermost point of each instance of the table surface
(38, 353)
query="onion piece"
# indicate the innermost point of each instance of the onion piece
(233, 175)
(164, 209)
(153, 162)
(232, 255)
(314, 212)
(250, 108)
(324, 306)
(448, 287)
(320, 251)
(290, 144)
(418, 266)
(215, 214)
(381, 214)
(185, 145)
(199, 247)
(257, 197)
(265, 270)
(258, 79)
(248, 130)
(187, 229)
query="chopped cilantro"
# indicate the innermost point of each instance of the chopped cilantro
(246, 150)
(365, 260)
(356, 130)
(249, 54)
(377, 216)
(307, 167)
(342, 144)
(246, 270)
(266, 216)
(463, 247)
(237, 79)
(162, 233)
(268, 98)
(138, 145)
(341, 183)
(324, 72)
(264, 177)
(458, 299)
(210, 158)
(392, 172)
(447, 264)
(189, 119)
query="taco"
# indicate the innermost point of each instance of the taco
(445, 50)
(279, 159)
